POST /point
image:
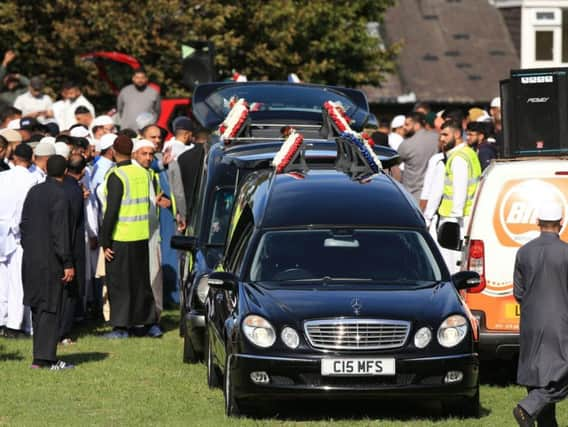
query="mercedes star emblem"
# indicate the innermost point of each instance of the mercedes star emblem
(357, 306)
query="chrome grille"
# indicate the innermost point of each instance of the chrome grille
(357, 334)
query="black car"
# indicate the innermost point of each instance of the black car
(228, 163)
(332, 287)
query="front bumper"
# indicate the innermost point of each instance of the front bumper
(291, 378)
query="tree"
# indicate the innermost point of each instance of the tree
(321, 41)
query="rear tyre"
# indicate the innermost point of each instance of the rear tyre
(213, 378)
(468, 407)
(231, 405)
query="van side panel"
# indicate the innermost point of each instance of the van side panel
(505, 218)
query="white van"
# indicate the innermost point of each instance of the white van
(504, 218)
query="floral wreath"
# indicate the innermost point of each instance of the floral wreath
(365, 149)
(339, 117)
(288, 150)
(235, 120)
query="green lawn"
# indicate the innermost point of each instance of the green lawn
(142, 381)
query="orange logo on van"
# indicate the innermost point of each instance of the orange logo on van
(515, 216)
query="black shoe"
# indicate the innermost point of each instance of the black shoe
(523, 418)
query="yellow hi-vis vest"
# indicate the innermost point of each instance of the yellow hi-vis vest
(473, 174)
(133, 217)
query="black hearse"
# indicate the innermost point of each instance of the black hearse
(275, 105)
(331, 286)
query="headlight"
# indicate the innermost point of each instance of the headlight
(203, 289)
(290, 337)
(452, 331)
(259, 331)
(422, 337)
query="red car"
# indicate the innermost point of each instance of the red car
(116, 68)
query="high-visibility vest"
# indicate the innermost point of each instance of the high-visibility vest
(473, 174)
(133, 217)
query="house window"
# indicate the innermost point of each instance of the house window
(565, 35)
(544, 42)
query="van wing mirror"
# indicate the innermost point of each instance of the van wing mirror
(184, 243)
(449, 236)
(466, 280)
(223, 281)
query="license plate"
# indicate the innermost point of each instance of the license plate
(357, 367)
(512, 311)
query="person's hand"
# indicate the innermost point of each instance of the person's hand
(8, 57)
(86, 192)
(168, 157)
(181, 224)
(68, 275)
(93, 242)
(109, 254)
(162, 201)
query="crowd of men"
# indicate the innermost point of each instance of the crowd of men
(443, 154)
(85, 207)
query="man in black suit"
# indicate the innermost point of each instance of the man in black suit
(47, 267)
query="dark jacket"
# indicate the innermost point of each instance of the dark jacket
(541, 288)
(46, 240)
(77, 223)
(486, 152)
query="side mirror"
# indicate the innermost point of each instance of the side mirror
(221, 280)
(449, 236)
(184, 243)
(466, 280)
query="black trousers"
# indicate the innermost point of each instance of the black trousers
(46, 334)
(542, 402)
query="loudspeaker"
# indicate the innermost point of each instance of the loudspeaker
(199, 66)
(535, 114)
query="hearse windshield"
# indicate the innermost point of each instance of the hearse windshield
(358, 255)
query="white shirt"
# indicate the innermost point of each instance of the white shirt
(64, 111)
(38, 173)
(433, 188)
(30, 104)
(14, 186)
(394, 140)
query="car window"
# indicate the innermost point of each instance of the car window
(384, 256)
(220, 216)
(273, 98)
(236, 256)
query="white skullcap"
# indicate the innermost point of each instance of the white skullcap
(44, 149)
(102, 121)
(106, 141)
(14, 124)
(550, 211)
(62, 149)
(496, 102)
(484, 117)
(48, 140)
(398, 121)
(142, 143)
(79, 132)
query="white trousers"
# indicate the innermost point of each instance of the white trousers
(13, 313)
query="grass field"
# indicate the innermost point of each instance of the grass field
(142, 381)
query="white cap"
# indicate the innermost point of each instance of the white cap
(48, 140)
(102, 121)
(11, 135)
(495, 102)
(440, 113)
(79, 132)
(142, 143)
(14, 124)
(44, 149)
(484, 117)
(398, 121)
(106, 141)
(62, 149)
(550, 211)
